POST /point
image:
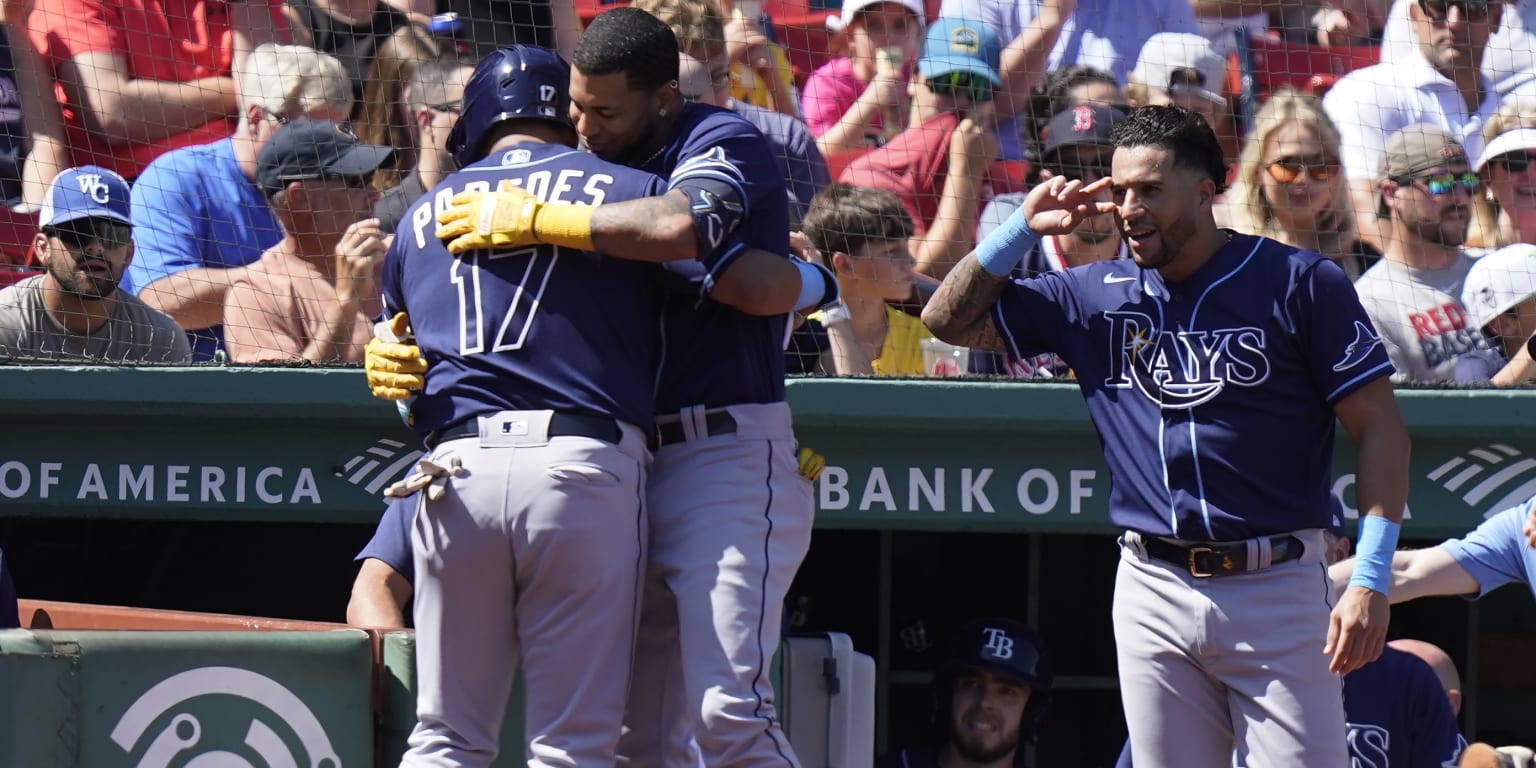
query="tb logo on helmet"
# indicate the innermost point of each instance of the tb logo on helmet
(999, 644)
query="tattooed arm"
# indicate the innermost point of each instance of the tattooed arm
(960, 311)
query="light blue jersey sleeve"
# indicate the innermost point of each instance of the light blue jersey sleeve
(1496, 552)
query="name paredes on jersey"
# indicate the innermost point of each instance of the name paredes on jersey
(1183, 369)
(561, 185)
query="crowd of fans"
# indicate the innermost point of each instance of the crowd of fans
(919, 130)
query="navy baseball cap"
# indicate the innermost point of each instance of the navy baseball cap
(960, 45)
(1084, 124)
(85, 192)
(316, 149)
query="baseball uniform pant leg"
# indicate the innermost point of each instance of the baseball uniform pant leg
(731, 524)
(658, 722)
(1270, 625)
(1175, 710)
(535, 554)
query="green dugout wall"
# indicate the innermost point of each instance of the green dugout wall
(939, 497)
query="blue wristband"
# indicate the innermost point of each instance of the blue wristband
(1373, 557)
(1004, 247)
(818, 287)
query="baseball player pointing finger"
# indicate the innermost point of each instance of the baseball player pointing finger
(1214, 365)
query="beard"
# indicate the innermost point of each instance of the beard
(1442, 233)
(76, 283)
(976, 752)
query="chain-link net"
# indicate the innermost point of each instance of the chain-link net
(906, 133)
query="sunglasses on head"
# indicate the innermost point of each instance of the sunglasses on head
(1443, 184)
(1514, 162)
(961, 84)
(78, 234)
(1440, 10)
(1288, 170)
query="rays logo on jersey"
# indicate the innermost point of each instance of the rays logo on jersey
(1183, 369)
(1359, 349)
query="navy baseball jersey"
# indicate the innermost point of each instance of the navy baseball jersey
(1496, 552)
(533, 328)
(1045, 256)
(1212, 398)
(713, 355)
(1398, 715)
(391, 542)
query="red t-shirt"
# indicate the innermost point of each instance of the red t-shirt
(915, 165)
(171, 40)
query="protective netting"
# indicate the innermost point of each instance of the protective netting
(906, 133)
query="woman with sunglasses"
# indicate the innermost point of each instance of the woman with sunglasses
(1289, 187)
(1507, 211)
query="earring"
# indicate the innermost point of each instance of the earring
(662, 112)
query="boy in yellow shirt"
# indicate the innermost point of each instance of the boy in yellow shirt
(862, 234)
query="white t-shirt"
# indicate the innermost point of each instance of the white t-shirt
(1370, 104)
(135, 332)
(1509, 59)
(1422, 323)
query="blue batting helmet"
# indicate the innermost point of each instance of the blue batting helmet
(520, 82)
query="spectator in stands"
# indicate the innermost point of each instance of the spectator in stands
(1440, 83)
(1507, 59)
(139, 78)
(1290, 187)
(383, 586)
(859, 101)
(1063, 88)
(704, 77)
(761, 74)
(1334, 22)
(1045, 35)
(435, 97)
(939, 167)
(34, 144)
(74, 310)
(862, 234)
(309, 298)
(1182, 69)
(1500, 297)
(1413, 295)
(351, 30)
(202, 217)
(1507, 167)
(384, 115)
(485, 25)
(1076, 146)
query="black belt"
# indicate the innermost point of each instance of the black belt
(715, 423)
(1207, 560)
(560, 425)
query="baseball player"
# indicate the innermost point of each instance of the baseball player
(529, 540)
(989, 699)
(730, 515)
(1396, 710)
(1202, 359)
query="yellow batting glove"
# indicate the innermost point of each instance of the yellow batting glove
(511, 217)
(393, 364)
(811, 464)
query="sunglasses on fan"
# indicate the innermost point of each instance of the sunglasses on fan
(1288, 170)
(1445, 183)
(961, 84)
